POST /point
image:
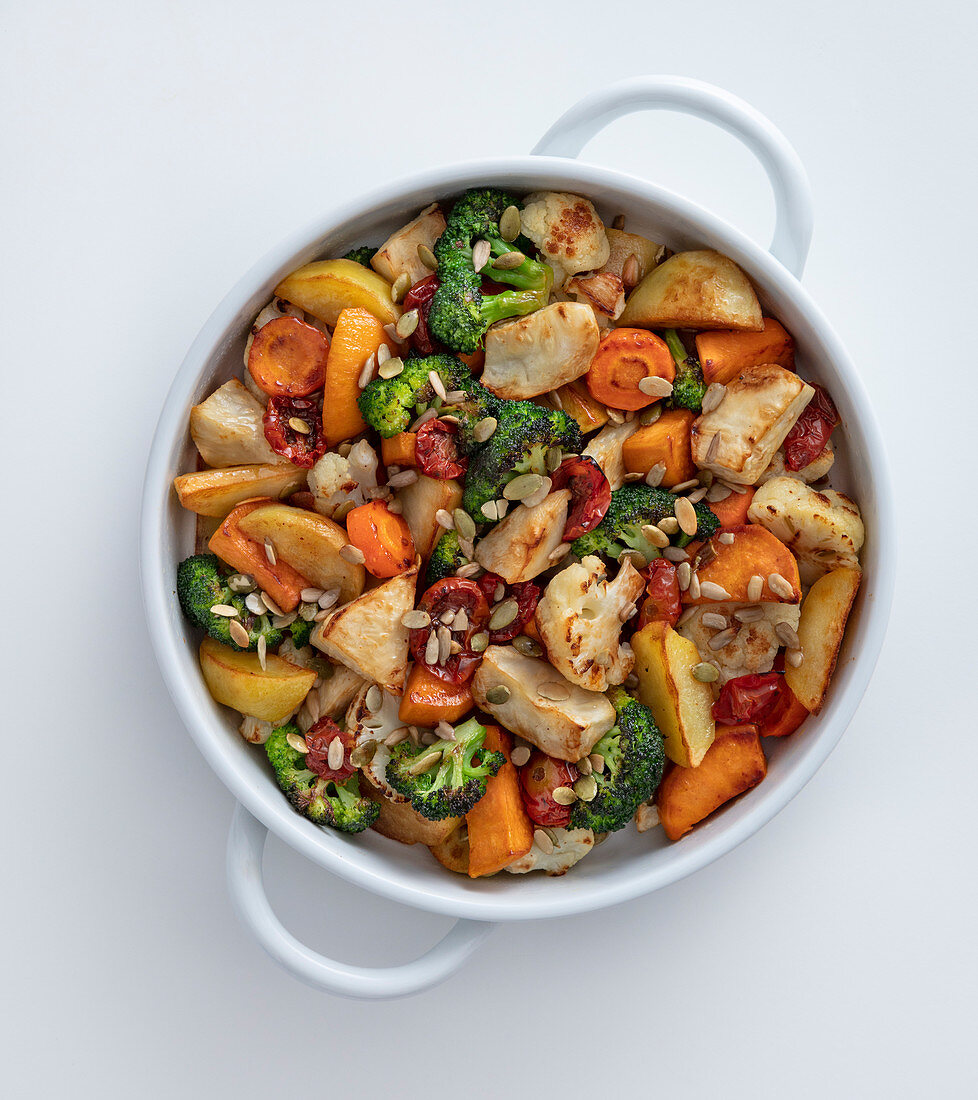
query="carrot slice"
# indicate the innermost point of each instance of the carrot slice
(753, 552)
(383, 537)
(428, 700)
(283, 583)
(474, 360)
(357, 335)
(399, 449)
(287, 358)
(624, 357)
(499, 828)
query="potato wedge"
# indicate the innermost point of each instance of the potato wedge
(398, 255)
(217, 492)
(518, 548)
(236, 679)
(367, 635)
(823, 622)
(753, 552)
(734, 764)
(310, 543)
(420, 503)
(682, 706)
(453, 852)
(623, 245)
(576, 401)
(228, 430)
(400, 821)
(699, 289)
(326, 287)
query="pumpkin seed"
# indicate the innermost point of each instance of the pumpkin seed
(705, 672)
(654, 386)
(365, 752)
(238, 634)
(391, 367)
(373, 699)
(564, 796)
(553, 458)
(270, 604)
(402, 284)
(241, 582)
(529, 647)
(657, 537)
(416, 620)
(478, 643)
(484, 429)
(510, 224)
(464, 523)
(686, 516)
(654, 478)
(225, 610)
(296, 742)
(795, 658)
(543, 842)
(489, 510)
(352, 554)
(650, 416)
(553, 691)
(596, 760)
(503, 614)
(498, 695)
(508, 260)
(540, 495)
(584, 766)
(522, 486)
(586, 788)
(520, 755)
(425, 762)
(427, 257)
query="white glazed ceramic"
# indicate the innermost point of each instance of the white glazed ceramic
(626, 865)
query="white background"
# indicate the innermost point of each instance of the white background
(150, 153)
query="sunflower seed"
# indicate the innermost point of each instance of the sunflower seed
(596, 760)
(724, 638)
(478, 643)
(510, 224)
(310, 595)
(686, 516)
(615, 416)
(367, 371)
(299, 425)
(714, 621)
(686, 615)
(717, 493)
(683, 573)
(780, 587)
(238, 634)
(444, 519)
(714, 447)
(725, 538)
(749, 614)
(427, 257)
(711, 591)
(694, 587)
(416, 620)
(484, 429)
(586, 788)
(786, 634)
(564, 796)
(522, 486)
(397, 736)
(650, 416)
(402, 479)
(542, 841)
(327, 599)
(669, 524)
(437, 384)
(431, 649)
(503, 614)
(321, 616)
(444, 644)
(632, 477)
(280, 622)
(225, 610)
(296, 742)
(697, 495)
(270, 604)
(428, 738)
(498, 695)
(364, 753)
(391, 367)
(395, 507)
(425, 762)
(630, 271)
(654, 477)
(352, 554)
(270, 552)
(312, 705)
(335, 754)
(481, 251)
(529, 647)
(508, 260)
(553, 691)
(445, 731)
(559, 553)
(453, 397)
(540, 495)
(755, 586)
(489, 510)
(470, 569)
(713, 398)
(447, 617)
(674, 553)
(705, 672)
(428, 414)
(794, 657)
(556, 400)
(654, 386)
(241, 582)
(402, 284)
(682, 486)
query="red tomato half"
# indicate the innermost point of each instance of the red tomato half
(419, 298)
(590, 494)
(452, 594)
(747, 699)
(663, 601)
(436, 451)
(319, 738)
(540, 776)
(811, 431)
(299, 448)
(527, 596)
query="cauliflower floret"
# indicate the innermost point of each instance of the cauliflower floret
(823, 529)
(580, 618)
(255, 730)
(569, 846)
(756, 644)
(567, 230)
(303, 657)
(819, 467)
(367, 725)
(335, 481)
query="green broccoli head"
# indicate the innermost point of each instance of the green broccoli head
(632, 507)
(688, 387)
(452, 783)
(390, 404)
(324, 802)
(524, 434)
(200, 587)
(460, 311)
(362, 255)
(445, 559)
(634, 758)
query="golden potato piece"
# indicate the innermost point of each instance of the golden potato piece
(325, 287)
(217, 492)
(700, 289)
(400, 821)
(236, 679)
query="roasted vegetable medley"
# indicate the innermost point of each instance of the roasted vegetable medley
(515, 530)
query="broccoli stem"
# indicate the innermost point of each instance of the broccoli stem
(676, 346)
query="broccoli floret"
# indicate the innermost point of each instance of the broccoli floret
(390, 404)
(632, 507)
(362, 255)
(324, 802)
(301, 632)
(446, 557)
(453, 783)
(524, 434)
(688, 387)
(460, 311)
(634, 757)
(200, 587)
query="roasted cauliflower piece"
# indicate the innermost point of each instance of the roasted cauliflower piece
(331, 697)
(823, 529)
(605, 449)
(580, 618)
(398, 255)
(567, 230)
(756, 644)
(368, 725)
(335, 481)
(519, 547)
(228, 428)
(817, 468)
(568, 847)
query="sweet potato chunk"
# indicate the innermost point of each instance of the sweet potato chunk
(499, 828)
(724, 354)
(734, 763)
(753, 552)
(666, 441)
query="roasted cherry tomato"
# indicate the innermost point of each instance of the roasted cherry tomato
(452, 594)
(301, 449)
(540, 776)
(436, 451)
(419, 298)
(287, 358)
(590, 494)
(747, 698)
(663, 602)
(527, 596)
(319, 738)
(811, 431)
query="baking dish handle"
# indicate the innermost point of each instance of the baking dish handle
(246, 843)
(792, 190)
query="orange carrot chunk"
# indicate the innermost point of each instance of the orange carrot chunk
(732, 510)
(724, 354)
(428, 700)
(287, 358)
(383, 537)
(357, 335)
